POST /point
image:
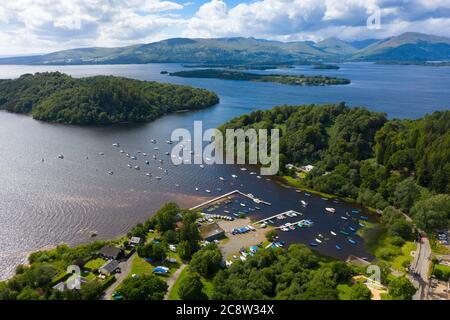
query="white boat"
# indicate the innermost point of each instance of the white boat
(115, 144)
(208, 191)
(133, 158)
(304, 203)
(259, 177)
(101, 153)
(196, 189)
(318, 240)
(333, 233)
(158, 178)
(137, 167)
(284, 229)
(234, 176)
(202, 166)
(331, 210)
(169, 142)
(252, 173)
(155, 148)
(222, 178)
(144, 154)
(121, 151)
(153, 141)
(110, 173)
(147, 162)
(243, 169)
(60, 156)
(167, 153)
(129, 166)
(148, 174)
(242, 204)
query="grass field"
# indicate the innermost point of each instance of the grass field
(173, 294)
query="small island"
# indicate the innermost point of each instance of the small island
(323, 66)
(57, 97)
(300, 80)
(239, 66)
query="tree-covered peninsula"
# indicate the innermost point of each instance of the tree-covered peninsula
(361, 155)
(300, 80)
(58, 97)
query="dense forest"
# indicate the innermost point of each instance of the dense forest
(57, 97)
(299, 80)
(361, 155)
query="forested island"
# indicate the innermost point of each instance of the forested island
(359, 154)
(300, 80)
(57, 97)
(238, 66)
(323, 66)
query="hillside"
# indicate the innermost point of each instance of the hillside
(57, 97)
(409, 46)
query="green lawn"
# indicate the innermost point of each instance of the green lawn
(441, 271)
(173, 294)
(94, 263)
(140, 266)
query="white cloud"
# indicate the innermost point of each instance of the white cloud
(293, 19)
(29, 26)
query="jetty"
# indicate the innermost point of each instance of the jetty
(226, 195)
(278, 215)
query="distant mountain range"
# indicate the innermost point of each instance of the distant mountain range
(405, 47)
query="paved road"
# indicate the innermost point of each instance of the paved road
(173, 278)
(125, 268)
(421, 266)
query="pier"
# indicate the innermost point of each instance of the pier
(256, 200)
(278, 215)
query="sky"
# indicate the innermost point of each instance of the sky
(41, 26)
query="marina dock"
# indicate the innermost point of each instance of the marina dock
(278, 215)
(256, 200)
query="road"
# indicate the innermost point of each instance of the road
(173, 278)
(125, 268)
(421, 266)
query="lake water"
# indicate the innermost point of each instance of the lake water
(43, 204)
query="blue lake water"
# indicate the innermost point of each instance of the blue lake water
(43, 204)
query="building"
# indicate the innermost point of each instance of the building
(211, 232)
(111, 252)
(109, 267)
(135, 241)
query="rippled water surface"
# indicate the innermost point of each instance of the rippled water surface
(45, 203)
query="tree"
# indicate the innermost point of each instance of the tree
(406, 193)
(271, 234)
(166, 217)
(191, 288)
(155, 251)
(185, 250)
(206, 261)
(360, 292)
(342, 271)
(432, 214)
(401, 289)
(146, 287)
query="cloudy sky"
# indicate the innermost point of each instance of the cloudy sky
(38, 26)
